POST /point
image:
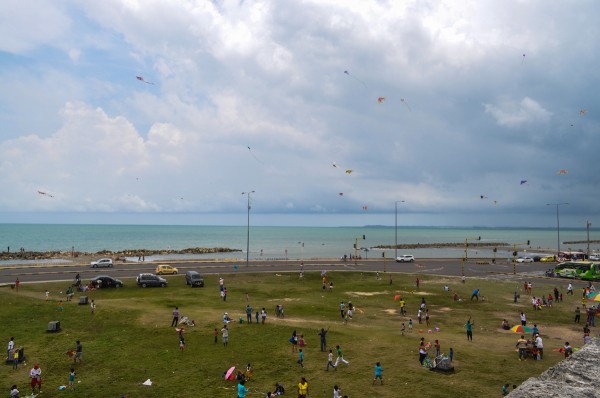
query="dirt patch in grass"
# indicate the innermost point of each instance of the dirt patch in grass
(367, 294)
(390, 312)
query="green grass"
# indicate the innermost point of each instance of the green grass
(129, 339)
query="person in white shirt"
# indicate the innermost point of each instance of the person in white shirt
(540, 345)
(337, 392)
(36, 378)
(11, 346)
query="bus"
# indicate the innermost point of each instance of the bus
(585, 270)
(571, 256)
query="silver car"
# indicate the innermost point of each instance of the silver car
(103, 262)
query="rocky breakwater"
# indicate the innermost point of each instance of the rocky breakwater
(47, 255)
(578, 376)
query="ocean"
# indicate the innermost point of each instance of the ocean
(280, 242)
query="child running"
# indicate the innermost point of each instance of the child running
(378, 370)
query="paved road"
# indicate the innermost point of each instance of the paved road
(450, 267)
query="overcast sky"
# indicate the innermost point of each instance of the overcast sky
(478, 97)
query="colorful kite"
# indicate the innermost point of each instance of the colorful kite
(349, 171)
(380, 100)
(141, 78)
(405, 103)
(355, 78)
(254, 156)
(582, 112)
(45, 193)
(563, 171)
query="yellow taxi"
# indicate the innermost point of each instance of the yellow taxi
(164, 269)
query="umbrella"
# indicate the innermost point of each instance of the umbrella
(594, 296)
(520, 329)
(229, 372)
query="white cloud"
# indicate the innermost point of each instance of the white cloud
(513, 114)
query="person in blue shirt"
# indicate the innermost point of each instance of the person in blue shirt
(475, 294)
(242, 390)
(378, 370)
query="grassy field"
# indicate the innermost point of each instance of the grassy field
(129, 339)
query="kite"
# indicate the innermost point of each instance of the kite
(405, 103)
(334, 165)
(582, 112)
(495, 202)
(341, 194)
(365, 207)
(355, 78)
(254, 156)
(380, 100)
(45, 193)
(523, 59)
(141, 78)
(523, 182)
(483, 197)
(349, 171)
(563, 171)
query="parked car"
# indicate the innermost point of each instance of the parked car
(547, 259)
(194, 279)
(102, 281)
(405, 258)
(148, 280)
(163, 269)
(103, 262)
(525, 260)
(595, 257)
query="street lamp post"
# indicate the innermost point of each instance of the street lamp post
(557, 226)
(587, 226)
(248, 228)
(396, 230)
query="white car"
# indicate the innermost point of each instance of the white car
(103, 262)
(595, 257)
(524, 260)
(405, 258)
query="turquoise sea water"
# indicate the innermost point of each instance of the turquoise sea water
(276, 242)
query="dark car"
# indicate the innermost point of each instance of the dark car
(147, 280)
(194, 279)
(102, 281)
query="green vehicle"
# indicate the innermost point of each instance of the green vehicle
(584, 270)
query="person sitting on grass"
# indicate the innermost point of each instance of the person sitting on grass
(505, 325)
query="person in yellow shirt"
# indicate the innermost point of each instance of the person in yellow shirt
(402, 304)
(303, 388)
